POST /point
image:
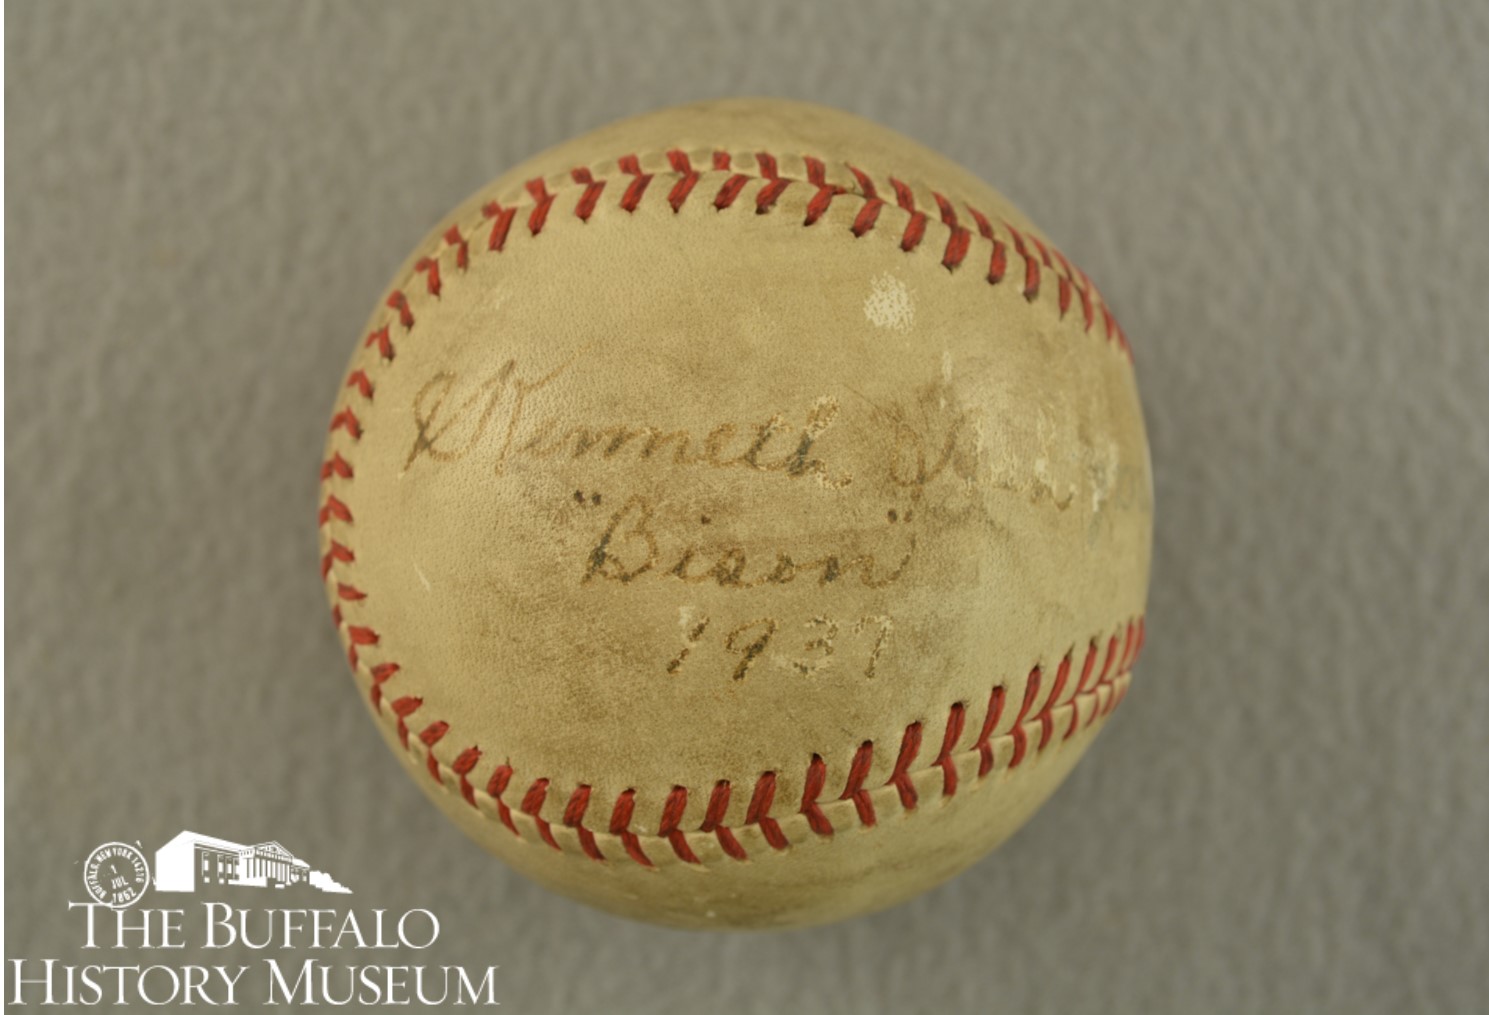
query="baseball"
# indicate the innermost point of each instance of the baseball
(738, 516)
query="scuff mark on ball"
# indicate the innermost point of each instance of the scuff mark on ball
(889, 304)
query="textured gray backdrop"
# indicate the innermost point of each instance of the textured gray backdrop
(1285, 202)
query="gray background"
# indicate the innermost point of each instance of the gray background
(1286, 203)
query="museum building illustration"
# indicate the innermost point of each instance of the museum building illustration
(191, 860)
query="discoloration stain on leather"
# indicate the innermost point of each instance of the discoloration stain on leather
(889, 304)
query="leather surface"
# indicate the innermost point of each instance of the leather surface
(1283, 204)
(652, 489)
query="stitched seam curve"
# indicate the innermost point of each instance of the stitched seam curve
(605, 836)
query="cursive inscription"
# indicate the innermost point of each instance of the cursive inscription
(452, 418)
(630, 548)
(932, 438)
(918, 457)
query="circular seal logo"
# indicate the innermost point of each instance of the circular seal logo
(116, 874)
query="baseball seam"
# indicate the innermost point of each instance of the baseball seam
(618, 834)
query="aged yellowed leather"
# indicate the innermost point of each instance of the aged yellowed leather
(738, 516)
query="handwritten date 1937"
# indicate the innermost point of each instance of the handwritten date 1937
(749, 641)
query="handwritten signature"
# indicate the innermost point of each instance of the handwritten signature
(450, 424)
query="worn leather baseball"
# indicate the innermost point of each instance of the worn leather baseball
(738, 516)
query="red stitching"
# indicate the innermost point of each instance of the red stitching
(338, 553)
(1081, 687)
(336, 466)
(632, 197)
(954, 723)
(384, 344)
(984, 744)
(816, 780)
(362, 635)
(1108, 322)
(900, 778)
(718, 805)
(956, 248)
(464, 764)
(1020, 739)
(669, 828)
(1037, 254)
(1106, 667)
(542, 201)
(1137, 650)
(1070, 280)
(495, 787)
(333, 508)
(1122, 651)
(1031, 266)
(863, 759)
(380, 675)
(903, 195)
(1044, 254)
(730, 190)
(1046, 714)
(1130, 646)
(1105, 678)
(915, 228)
(683, 187)
(984, 227)
(1104, 694)
(402, 709)
(591, 196)
(822, 200)
(532, 806)
(818, 205)
(769, 194)
(358, 379)
(620, 825)
(433, 734)
(867, 216)
(399, 302)
(914, 231)
(759, 811)
(501, 224)
(1088, 667)
(430, 267)
(462, 249)
(948, 211)
(998, 263)
(574, 818)
(347, 420)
